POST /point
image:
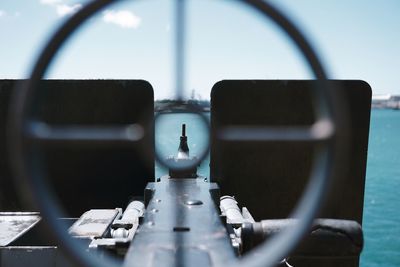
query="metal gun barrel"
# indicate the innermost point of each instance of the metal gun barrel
(345, 237)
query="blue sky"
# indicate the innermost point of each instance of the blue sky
(357, 39)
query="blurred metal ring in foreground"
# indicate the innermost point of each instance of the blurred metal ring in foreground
(268, 254)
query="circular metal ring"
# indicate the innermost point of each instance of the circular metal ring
(26, 169)
(179, 166)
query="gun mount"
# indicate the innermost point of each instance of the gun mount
(182, 220)
(186, 220)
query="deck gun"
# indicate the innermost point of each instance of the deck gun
(204, 229)
(184, 219)
(266, 139)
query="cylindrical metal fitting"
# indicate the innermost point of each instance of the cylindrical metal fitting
(134, 210)
(129, 220)
(231, 210)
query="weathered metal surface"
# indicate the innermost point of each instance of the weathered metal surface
(41, 256)
(330, 242)
(175, 233)
(122, 229)
(28, 256)
(94, 223)
(269, 178)
(229, 208)
(15, 224)
(129, 222)
(68, 103)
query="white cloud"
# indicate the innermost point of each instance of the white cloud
(50, 2)
(122, 18)
(63, 9)
(2, 13)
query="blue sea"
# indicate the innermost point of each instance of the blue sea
(381, 222)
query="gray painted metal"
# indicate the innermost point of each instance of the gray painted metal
(229, 207)
(330, 242)
(277, 173)
(122, 230)
(15, 224)
(175, 233)
(28, 256)
(129, 222)
(94, 223)
(41, 256)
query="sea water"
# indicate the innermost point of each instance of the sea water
(381, 222)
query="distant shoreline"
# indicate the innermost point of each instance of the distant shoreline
(386, 102)
(167, 105)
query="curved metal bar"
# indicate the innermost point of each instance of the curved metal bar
(95, 135)
(180, 24)
(272, 252)
(190, 109)
(322, 131)
(29, 168)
